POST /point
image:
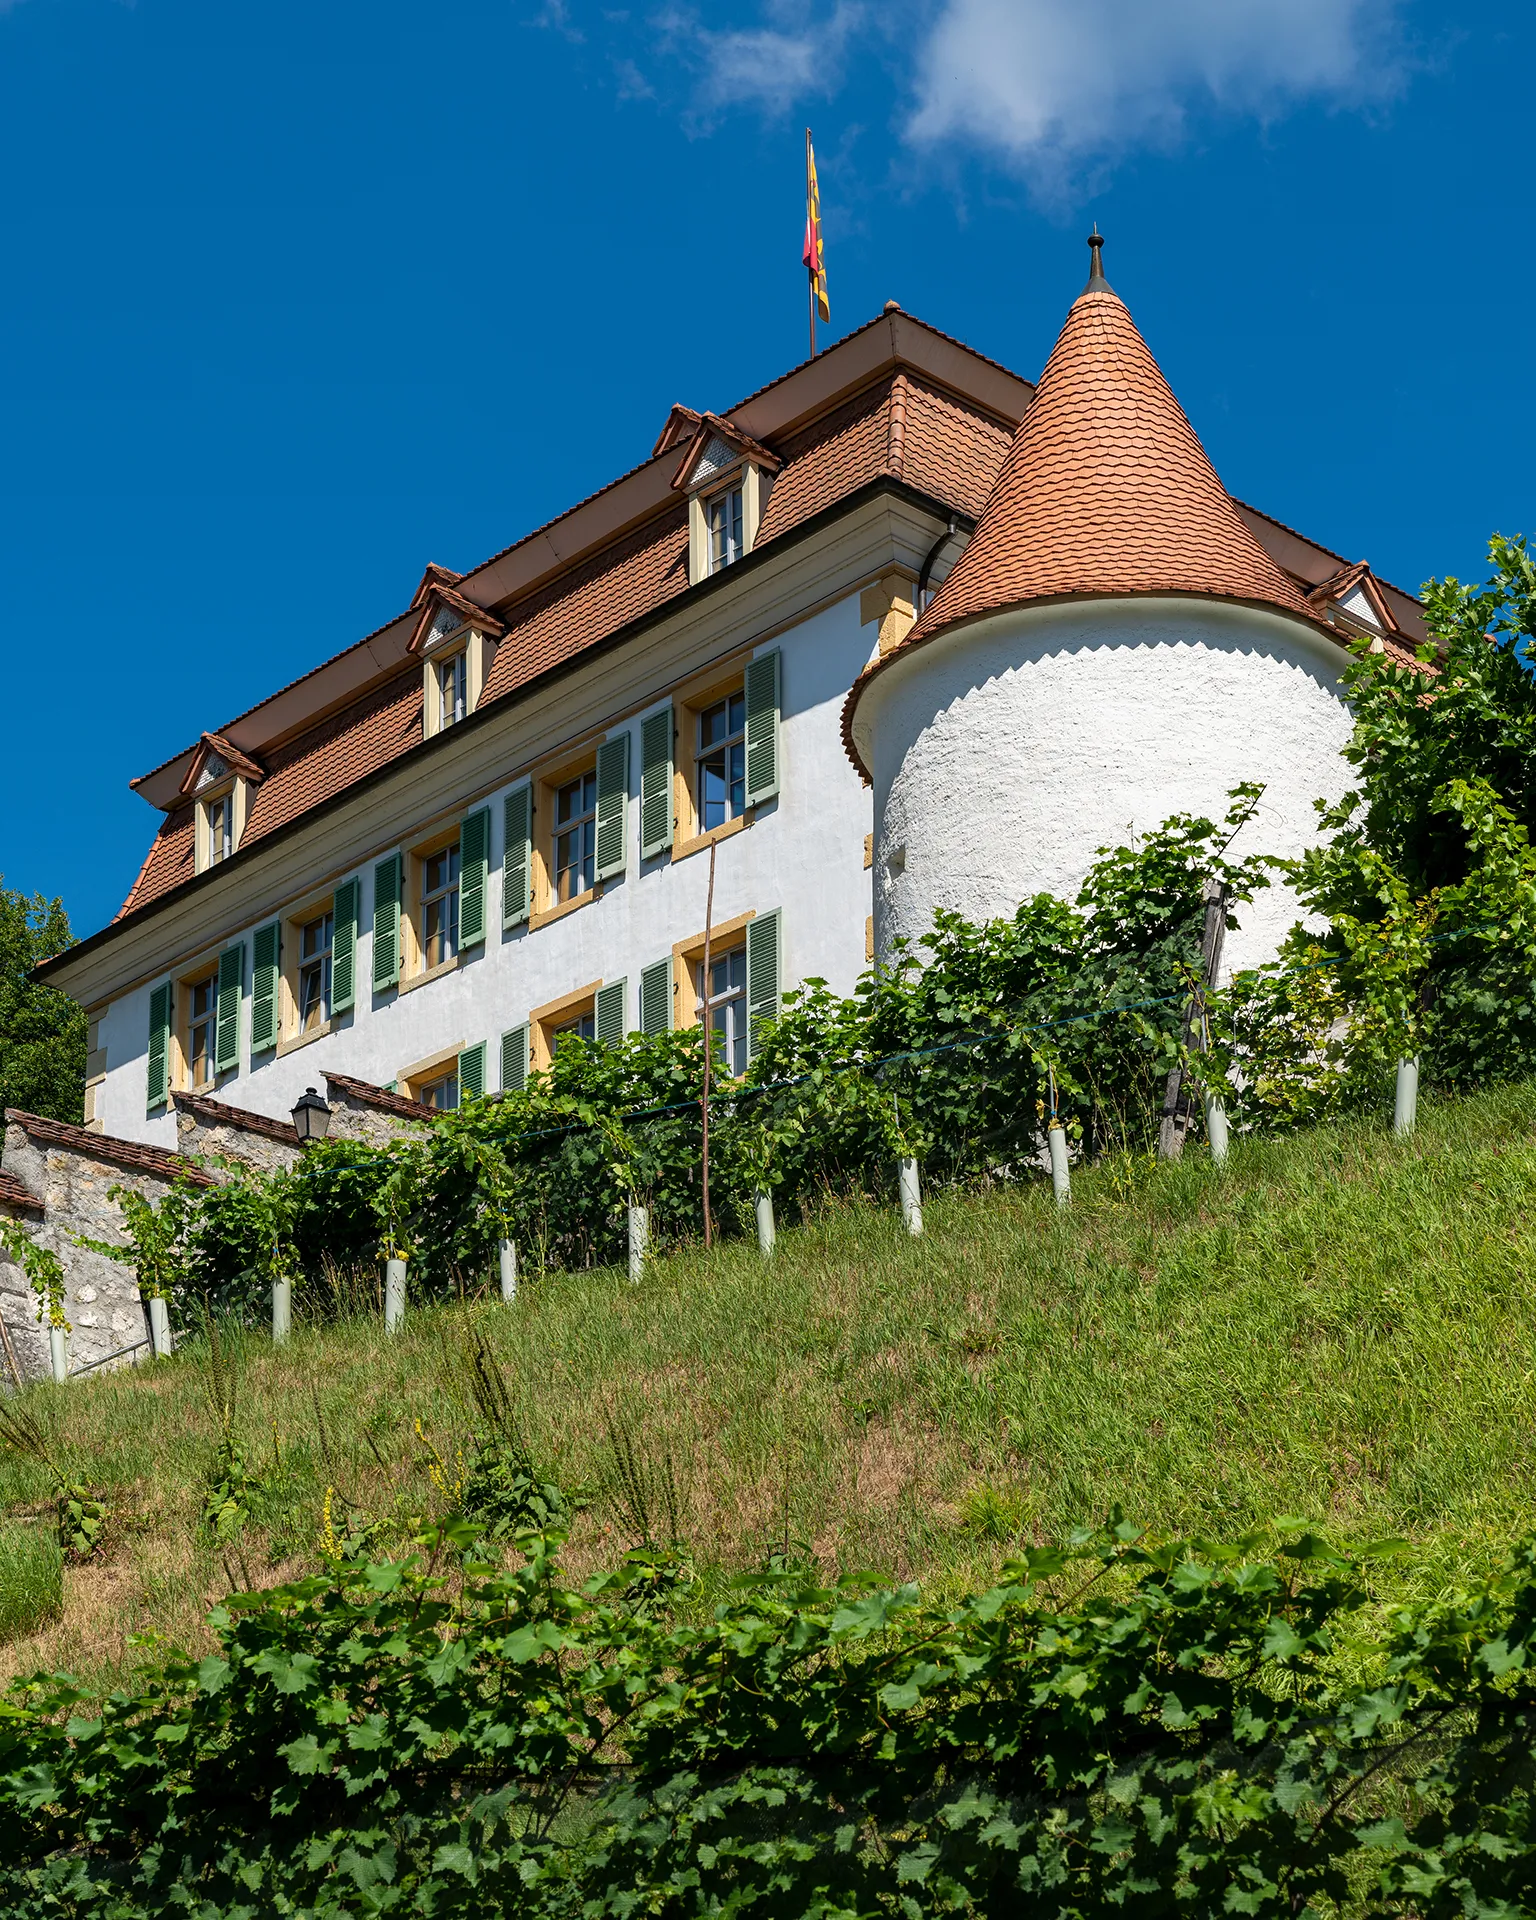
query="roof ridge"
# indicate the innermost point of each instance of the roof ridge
(162, 1161)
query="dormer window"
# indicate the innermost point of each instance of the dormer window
(220, 783)
(452, 688)
(726, 475)
(221, 828)
(725, 528)
(457, 642)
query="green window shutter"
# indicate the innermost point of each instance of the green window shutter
(344, 946)
(474, 849)
(517, 861)
(610, 1013)
(514, 1060)
(763, 961)
(159, 1047)
(226, 1048)
(656, 998)
(656, 783)
(267, 952)
(612, 806)
(472, 1072)
(763, 699)
(386, 922)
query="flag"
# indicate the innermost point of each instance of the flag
(814, 253)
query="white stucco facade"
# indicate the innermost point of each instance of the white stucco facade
(802, 853)
(1006, 752)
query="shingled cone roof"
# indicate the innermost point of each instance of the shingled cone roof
(1106, 490)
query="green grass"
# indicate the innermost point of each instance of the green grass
(1340, 1325)
(31, 1578)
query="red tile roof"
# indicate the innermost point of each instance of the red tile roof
(935, 442)
(216, 1114)
(14, 1194)
(1107, 490)
(106, 1146)
(366, 1094)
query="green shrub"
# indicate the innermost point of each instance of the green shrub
(31, 1578)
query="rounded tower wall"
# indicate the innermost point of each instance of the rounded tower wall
(1005, 752)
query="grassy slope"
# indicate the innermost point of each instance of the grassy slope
(1339, 1326)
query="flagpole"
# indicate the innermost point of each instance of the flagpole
(810, 277)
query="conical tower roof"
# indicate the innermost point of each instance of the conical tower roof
(1106, 490)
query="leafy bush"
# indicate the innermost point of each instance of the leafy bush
(1161, 1727)
(31, 1579)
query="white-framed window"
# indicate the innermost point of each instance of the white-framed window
(316, 939)
(442, 1093)
(452, 689)
(583, 1026)
(440, 906)
(721, 1004)
(721, 761)
(575, 831)
(221, 828)
(202, 1032)
(726, 528)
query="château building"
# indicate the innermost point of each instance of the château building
(896, 632)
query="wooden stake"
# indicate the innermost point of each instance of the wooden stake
(709, 1034)
(10, 1351)
(1178, 1107)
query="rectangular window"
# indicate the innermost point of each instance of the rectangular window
(721, 1004)
(575, 836)
(202, 1036)
(442, 1093)
(722, 762)
(440, 908)
(452, 689)
(316, 941)
(221, 828)
(725, 544)
(582, 1027)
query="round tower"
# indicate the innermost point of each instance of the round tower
(1114, 646)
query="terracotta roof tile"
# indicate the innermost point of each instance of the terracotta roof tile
(366, 1094)
(217, 1114)
(1105, 490)
(14, 1194)
(106, 1146)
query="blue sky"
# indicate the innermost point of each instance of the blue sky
(299, 297)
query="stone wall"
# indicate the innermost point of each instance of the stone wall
(72, 1176)
(56, 1181)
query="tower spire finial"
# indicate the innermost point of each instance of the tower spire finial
(1096, 281)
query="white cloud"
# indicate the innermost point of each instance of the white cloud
(1050, 85)
(772, 67)
(1053, 87)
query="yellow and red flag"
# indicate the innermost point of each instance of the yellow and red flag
(814, 253)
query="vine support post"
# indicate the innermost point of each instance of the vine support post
(1405, 1107)
(58, 1353)
(762, 1207)
(911, 1194)
(160, 1340)
(1216, 1128)
(394, 1294)
(282, 1309)
(506, 1259)
(1178, 1108)
(639, 1242)
(1061, 1172)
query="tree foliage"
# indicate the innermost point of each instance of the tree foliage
(42, 1031)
